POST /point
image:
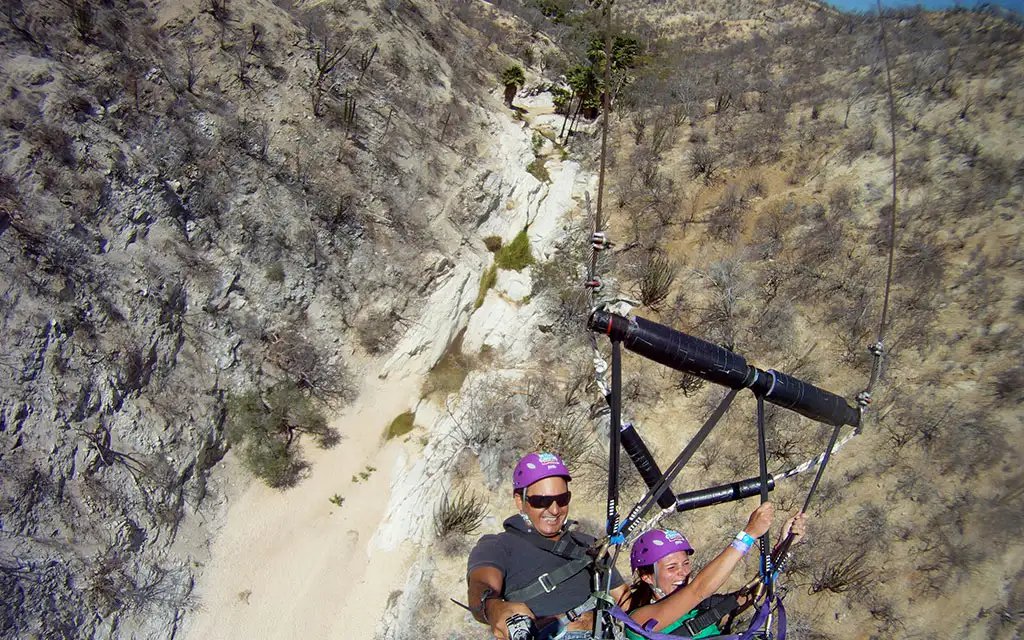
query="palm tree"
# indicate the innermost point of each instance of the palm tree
(512, 78)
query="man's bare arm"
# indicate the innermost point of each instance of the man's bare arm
(480, 580)
(494, 610)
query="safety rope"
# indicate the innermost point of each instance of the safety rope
(878, 349)
(618, 534)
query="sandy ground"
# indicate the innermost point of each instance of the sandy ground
(290, 564)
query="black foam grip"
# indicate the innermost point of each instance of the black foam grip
(685, 353)
(722, 493)
(808, 400)
(674, 349)
(645, 464)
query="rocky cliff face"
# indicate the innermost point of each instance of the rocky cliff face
(193, 204)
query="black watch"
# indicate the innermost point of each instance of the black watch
(488, 593)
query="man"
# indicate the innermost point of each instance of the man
(538, 566)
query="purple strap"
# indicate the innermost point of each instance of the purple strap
(755, 625)
(759, 619)
(780, 611)
(623, 617)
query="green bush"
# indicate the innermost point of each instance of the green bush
(537, 142)
(513, 75)
(275, 273)
(450, 371)
(516, 255)
(493, 243)
(486, 282)
(266, 425)
(538, 170)
(401, 425)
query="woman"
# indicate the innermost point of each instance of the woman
(664, 590)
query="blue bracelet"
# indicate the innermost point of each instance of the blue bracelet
(745, 538)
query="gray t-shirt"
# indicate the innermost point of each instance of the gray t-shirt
(521, 563)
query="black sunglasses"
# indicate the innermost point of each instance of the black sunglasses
(543, 502)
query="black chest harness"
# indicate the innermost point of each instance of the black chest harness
(574, 551)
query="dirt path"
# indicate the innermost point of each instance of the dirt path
(290, 564)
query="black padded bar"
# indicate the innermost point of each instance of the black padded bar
(645, 464)
(722, 493)
(674, 349)
(806, 399)
(688, 354)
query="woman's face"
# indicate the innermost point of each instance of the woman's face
(548, 520)
(673, 572)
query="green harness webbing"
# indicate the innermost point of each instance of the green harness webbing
(707, 632)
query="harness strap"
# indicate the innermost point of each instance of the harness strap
(567, 547)
(646, 632)
(711, 615)
(760, 618)
(549, 581)
(574, 614)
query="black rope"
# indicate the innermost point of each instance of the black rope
(877, 349)
(762, 460)
(670, 474)
(892, 220)
(616, 437)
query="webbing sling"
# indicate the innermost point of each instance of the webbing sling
(711, 615)
(755, 625)
(567, 547)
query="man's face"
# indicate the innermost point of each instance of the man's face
(548, 521)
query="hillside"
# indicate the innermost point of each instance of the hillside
(751, 162)
(213, 209)
(201, 200)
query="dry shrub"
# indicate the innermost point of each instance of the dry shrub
(459, 513)
(376, 332)
(655, 276)
(567, 434)
(727, 219)
(306, 363)
(840, 575)
(704, 162)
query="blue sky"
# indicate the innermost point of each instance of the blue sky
(869, 5)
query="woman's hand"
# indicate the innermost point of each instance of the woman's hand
(760, 520)
(797, 525)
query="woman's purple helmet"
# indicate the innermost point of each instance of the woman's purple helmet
(537, 466)
(655, 545)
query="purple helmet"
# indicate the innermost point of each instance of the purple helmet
(655, 545)
(537, 466)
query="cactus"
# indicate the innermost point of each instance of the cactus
(348, 111)
(365, 59)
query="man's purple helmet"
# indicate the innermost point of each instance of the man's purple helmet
(655, 545)
(537, 466)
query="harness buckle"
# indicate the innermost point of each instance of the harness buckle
(691, 627)
(546, 583)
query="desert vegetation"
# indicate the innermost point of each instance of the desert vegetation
(210, 212)
(205, 211)
(751, 202)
